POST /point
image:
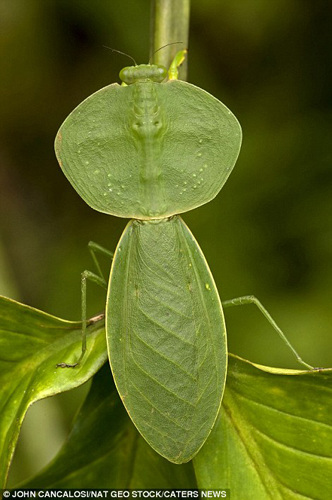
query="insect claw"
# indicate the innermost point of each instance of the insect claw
(66, 365)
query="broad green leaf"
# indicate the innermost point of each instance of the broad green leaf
(31, 345)
(166, 336)
(273, 437)
(148, 149)
(104, 450)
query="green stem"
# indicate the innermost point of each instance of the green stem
(169, 24)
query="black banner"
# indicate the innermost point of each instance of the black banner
(115, 493)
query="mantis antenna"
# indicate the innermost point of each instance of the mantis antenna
(120, 52)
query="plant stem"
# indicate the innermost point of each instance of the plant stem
(169, 24)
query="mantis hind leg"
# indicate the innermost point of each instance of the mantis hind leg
(97, 278)
(251, 299)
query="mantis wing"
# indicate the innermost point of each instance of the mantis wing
(166, 336)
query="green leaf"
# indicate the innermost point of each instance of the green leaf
(273, 437)
(31, 345)
(166, 336)
(105, 450)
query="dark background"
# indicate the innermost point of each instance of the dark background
(268, 232)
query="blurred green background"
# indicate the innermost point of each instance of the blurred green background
(268, 233)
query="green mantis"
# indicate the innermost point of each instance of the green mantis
(149, 150)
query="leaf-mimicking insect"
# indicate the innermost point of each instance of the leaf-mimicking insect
(149, 150)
